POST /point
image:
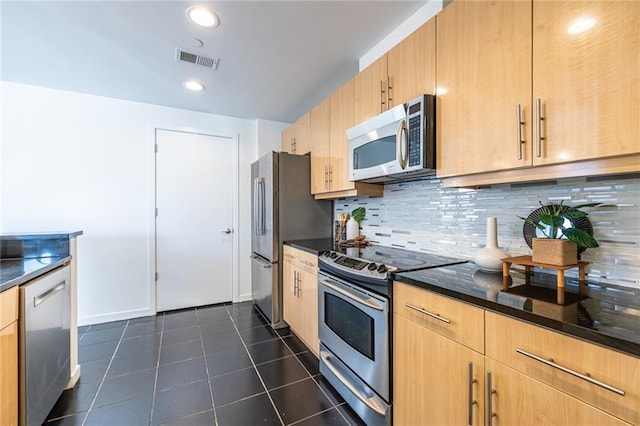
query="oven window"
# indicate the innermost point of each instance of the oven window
(353, 326)
(375, 153)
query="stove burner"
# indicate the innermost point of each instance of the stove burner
(404, 262)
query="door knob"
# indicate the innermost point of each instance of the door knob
(227, 231)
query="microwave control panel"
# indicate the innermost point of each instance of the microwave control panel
(415, 140)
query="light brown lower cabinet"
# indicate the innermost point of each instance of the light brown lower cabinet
(436, 381)
(9, 357)
(517, 399)
(300, 295)
(439, 380)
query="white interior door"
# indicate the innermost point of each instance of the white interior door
(194, 222)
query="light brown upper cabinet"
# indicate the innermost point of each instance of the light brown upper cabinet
(329, 158)
(320, 152)
(484, 65)
(405, 72)
(296, 139)
(519, 87)
(587, 83)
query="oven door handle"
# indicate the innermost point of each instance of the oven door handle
(356, 298)
(369, 402)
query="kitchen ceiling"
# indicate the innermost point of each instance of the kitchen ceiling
(277, 58)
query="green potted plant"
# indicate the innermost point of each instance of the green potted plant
(560, 239)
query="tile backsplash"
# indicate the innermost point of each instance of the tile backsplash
(422, 215)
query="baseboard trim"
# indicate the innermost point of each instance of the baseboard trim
(115, 316)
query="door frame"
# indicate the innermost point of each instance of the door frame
(152, 167)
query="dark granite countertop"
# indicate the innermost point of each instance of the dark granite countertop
(312, 246)
(606, 315)
(15, 272)
(600, 316)
(40, 235)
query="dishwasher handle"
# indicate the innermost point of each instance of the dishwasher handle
(42, 297)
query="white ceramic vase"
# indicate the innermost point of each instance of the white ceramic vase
(488, 258)
(353, 229)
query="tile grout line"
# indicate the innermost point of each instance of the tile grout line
(334, 406)
(155, 381)
(273, 404)
(206, 368)
(104, 377)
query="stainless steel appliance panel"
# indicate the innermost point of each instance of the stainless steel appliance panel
(360, 397)
(300, 215)
(44, 344)
(265, 287)
(282, 209)
(354, 325)
(264, 193)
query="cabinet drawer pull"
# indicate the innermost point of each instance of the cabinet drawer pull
(472, 401)
(569, 371)
(307, 263)
(436, 316)
(490, 392)
(520, 123)
(539, 120)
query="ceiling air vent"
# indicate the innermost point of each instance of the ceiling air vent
(193, 58)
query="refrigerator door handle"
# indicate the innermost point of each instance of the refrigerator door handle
(258, 206)
(262, 263)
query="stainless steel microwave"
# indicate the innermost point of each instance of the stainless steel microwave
(395, 144)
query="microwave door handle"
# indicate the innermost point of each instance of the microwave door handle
(403, 145)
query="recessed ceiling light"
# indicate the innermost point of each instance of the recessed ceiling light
(196, 86)
(581, 25)
(203, 16)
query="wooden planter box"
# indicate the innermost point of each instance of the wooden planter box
(554, 251)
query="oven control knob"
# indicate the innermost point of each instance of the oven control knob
(372, 266)
(333, 255)
(326, 253)
(382, 269)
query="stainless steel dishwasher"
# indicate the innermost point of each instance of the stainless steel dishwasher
(44, 344)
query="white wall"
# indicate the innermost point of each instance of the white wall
(422, 15)
(269, 136)
(80, 162)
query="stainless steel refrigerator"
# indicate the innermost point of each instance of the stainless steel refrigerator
(282, 209)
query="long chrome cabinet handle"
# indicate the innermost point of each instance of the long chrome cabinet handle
(472, 401)
(490, 392)
(436, 316)
(539, 120)
(366, 302)
(382, 92)
(520, 123)
(389, 97)
(326, 177)
(47, 294)
(366, 401)
(295, 283)
(572, 372)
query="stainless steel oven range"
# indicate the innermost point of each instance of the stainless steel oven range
(354, 323)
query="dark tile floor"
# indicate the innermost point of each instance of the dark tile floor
(217, 365)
